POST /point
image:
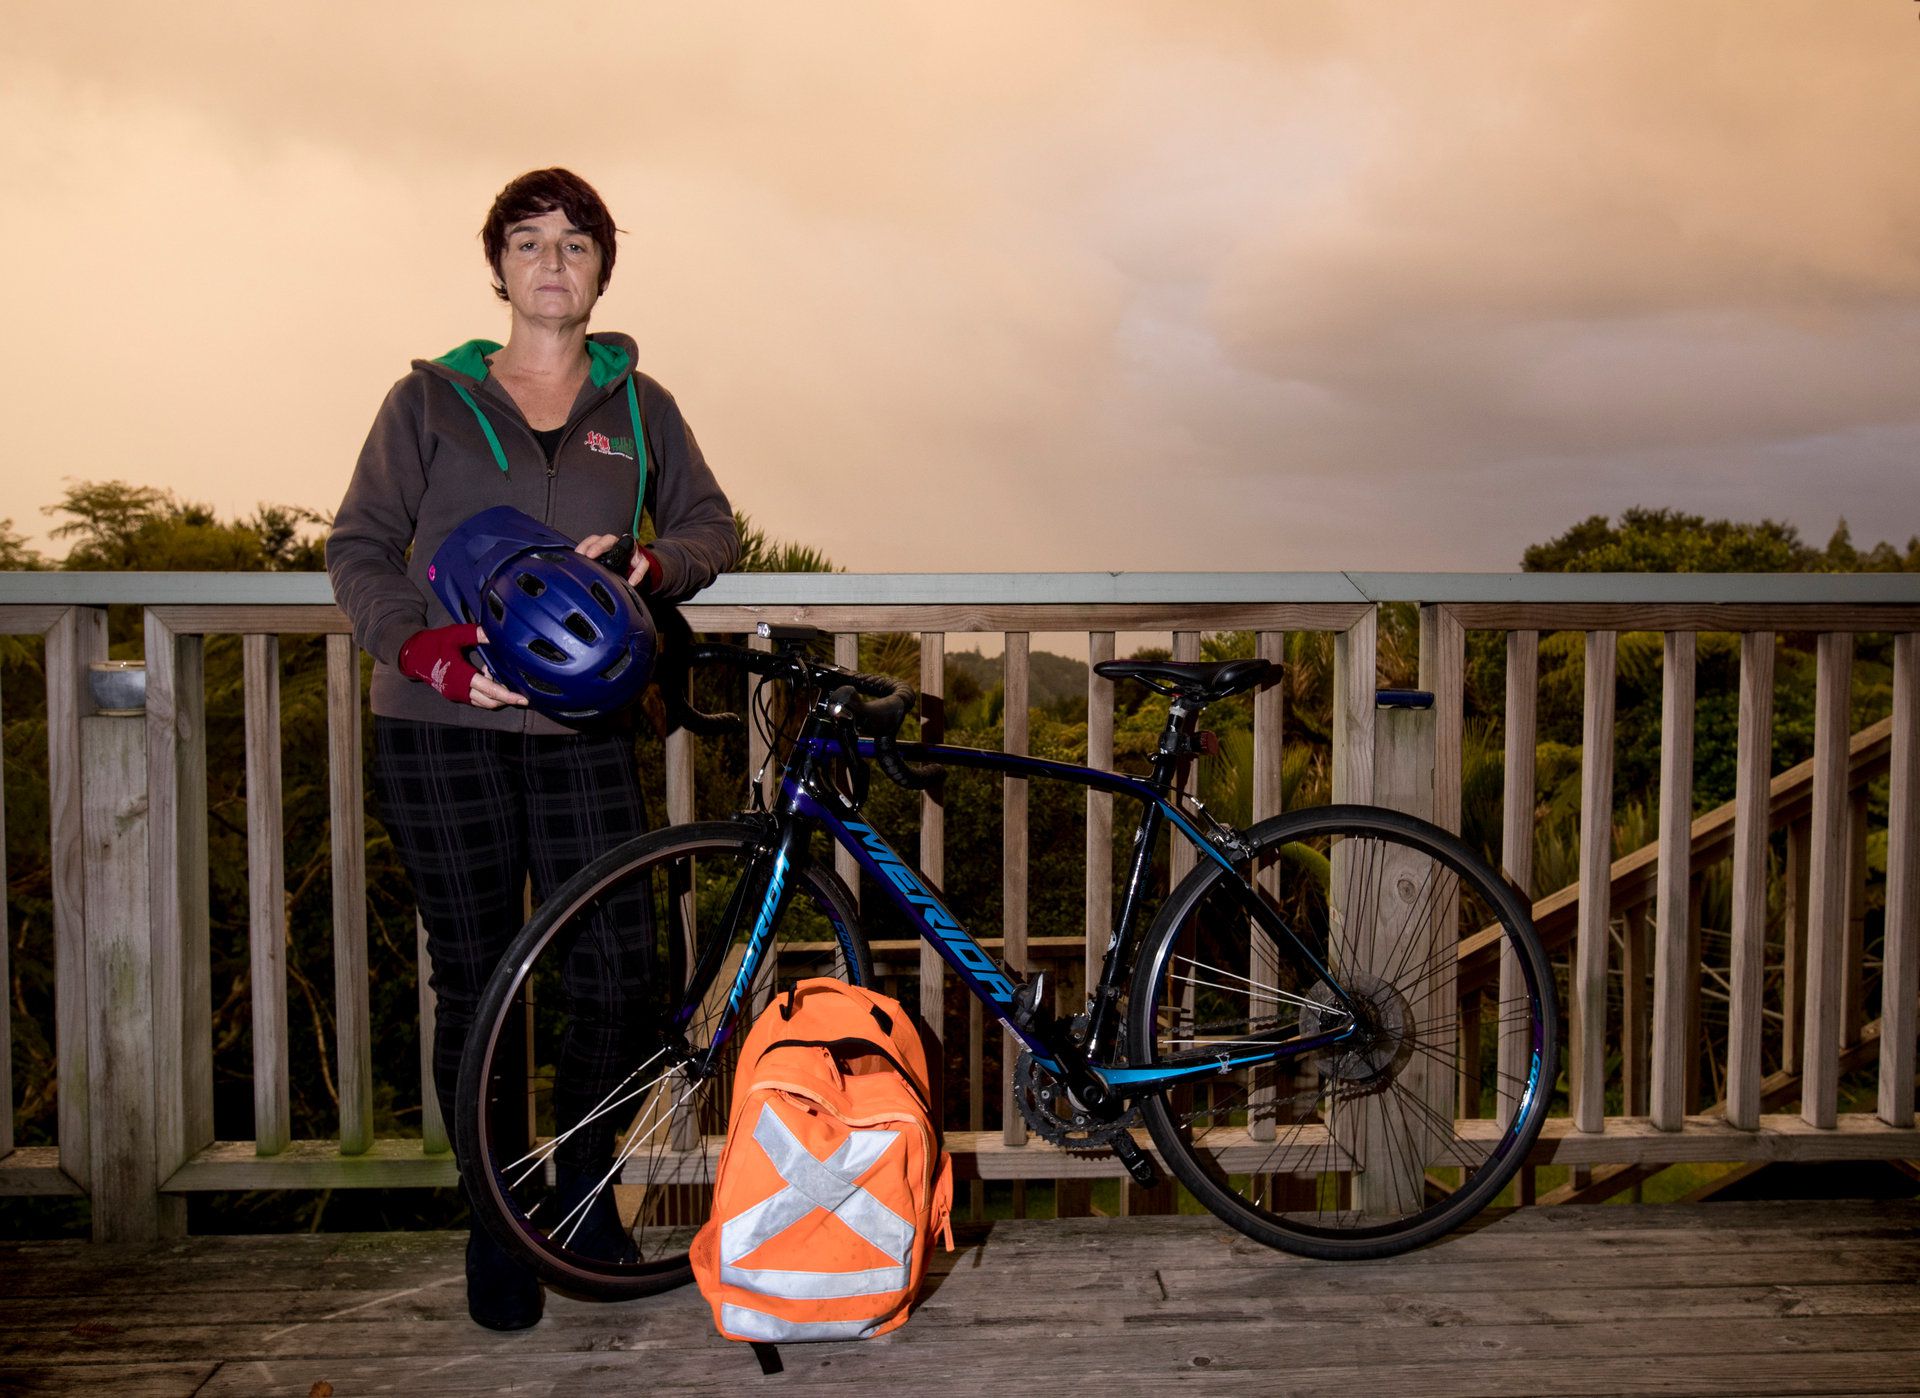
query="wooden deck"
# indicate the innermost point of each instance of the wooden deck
(1676, 1299)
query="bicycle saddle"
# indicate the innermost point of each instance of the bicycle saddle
(1209, 680)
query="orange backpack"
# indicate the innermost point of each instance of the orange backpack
(833, 1180)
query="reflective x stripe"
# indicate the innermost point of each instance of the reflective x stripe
(817, 1184)
(758, 1325)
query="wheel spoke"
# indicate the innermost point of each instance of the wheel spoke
(580, 967)
(1351, 1149)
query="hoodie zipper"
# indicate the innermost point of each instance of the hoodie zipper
(607, 393)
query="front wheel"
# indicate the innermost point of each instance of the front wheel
(1415, 970)
(588, 1131)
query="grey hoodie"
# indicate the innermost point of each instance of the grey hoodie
(449, 442)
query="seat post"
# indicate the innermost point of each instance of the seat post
(1176, 747)
(1176, 743)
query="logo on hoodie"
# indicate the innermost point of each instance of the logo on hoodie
(610, 446)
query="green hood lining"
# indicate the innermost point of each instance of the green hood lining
(605, 363)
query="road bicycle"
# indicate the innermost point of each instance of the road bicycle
(1337, 1031)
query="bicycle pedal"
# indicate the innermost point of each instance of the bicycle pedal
(1139, 1164)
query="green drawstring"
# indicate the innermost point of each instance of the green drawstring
(499, 456)
(639, 455)
(639, 444)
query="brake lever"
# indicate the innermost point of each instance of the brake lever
(840, 709)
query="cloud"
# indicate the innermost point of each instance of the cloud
(1056, 285)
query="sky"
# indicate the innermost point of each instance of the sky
(1014, 285)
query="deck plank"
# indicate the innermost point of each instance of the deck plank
(1677, 1299)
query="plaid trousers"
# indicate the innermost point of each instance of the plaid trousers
(472, 813)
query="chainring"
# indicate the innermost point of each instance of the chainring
(1054, 1116)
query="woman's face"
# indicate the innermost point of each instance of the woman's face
(551, 269)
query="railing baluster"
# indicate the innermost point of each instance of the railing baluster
(74, 641)
(846, 653)
(347, 809)
(1636, 1007)
(1017, 672)
(1269, 775)
(1100, 647)
(1853, 975)
(677, 762)
(1674, 972)
(1827, 883)
(433, 1127)
(1356, 666)
(6, 976)
(1180, 854)
(1161, 1199)
(1793, 955)
(933, 823)
(266, 895)
(758, 754)
(1587, 1039)
(1754, 759)
(177, 844)
(1901, 954)
(1516, 845)
(1073, 1197)
(1443, 659)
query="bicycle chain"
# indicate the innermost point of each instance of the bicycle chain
(1279, 1108)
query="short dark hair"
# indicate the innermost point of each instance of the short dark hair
(541, 192)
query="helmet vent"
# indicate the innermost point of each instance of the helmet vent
(493, 605)
(619, 666)
(538, 686)
(581, 627)
(602, 596)
(530, 585)
(547, 650)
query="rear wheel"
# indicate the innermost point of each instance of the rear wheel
(588, 1141)
(1419, 970)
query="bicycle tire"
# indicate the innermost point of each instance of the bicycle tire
(1352, 1150)
(544, 1188)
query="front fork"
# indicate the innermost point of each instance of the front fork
(774, 871)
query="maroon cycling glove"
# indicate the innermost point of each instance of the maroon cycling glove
(436, 657)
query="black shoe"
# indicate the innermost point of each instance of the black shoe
(598, 1233)
(502, 1294)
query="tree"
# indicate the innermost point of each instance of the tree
(15, 556)
(1669, 541)
(761, 554)
(116, 527)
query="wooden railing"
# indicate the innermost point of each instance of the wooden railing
(129, 852)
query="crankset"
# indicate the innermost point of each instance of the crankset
(1053, 1114)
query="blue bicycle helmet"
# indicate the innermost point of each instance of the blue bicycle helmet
(561, 629)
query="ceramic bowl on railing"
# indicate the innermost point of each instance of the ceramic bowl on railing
(118, 686)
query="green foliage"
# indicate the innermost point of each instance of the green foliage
(15, 556)
(1669, 541)
(761, 554)
(115, 527)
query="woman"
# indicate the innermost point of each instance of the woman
(477, 790)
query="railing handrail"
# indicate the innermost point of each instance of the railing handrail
(1060, 589)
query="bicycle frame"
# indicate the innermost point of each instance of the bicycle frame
(807, 801)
